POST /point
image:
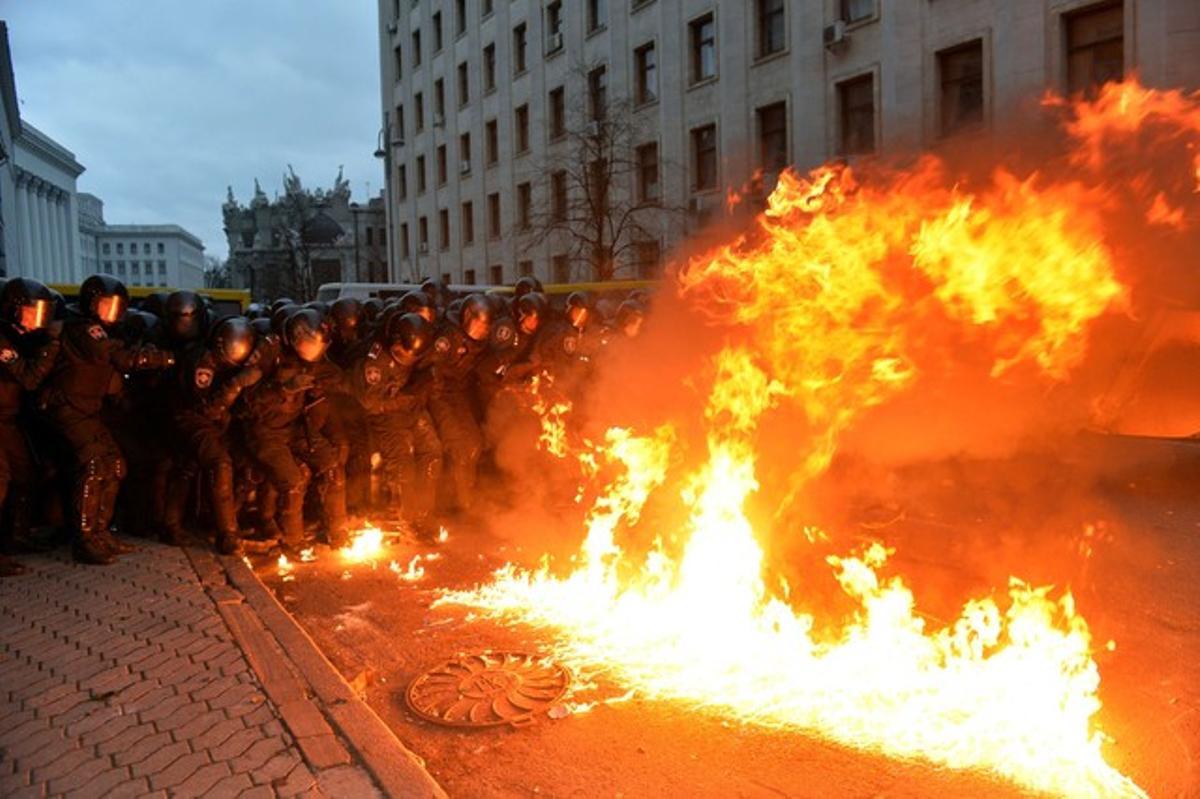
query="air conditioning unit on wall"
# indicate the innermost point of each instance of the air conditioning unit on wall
(834, 36)
(554, 43)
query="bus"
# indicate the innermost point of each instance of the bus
(224, 302)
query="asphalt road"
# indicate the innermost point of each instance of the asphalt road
(1035, 518)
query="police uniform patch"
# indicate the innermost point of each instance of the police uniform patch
(504, 334)
(97, 333)
(570, 343)
(373, 375)
(204, 378)
(8, 355)
(442, 345)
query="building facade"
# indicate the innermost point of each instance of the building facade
(480, 96)
(165, 256)
(291, 245)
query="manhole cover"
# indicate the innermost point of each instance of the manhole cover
(489, 688)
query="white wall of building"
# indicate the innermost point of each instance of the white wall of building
(897, 42)
(44, 209)
(151, 255)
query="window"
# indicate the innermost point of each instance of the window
(857, 10)
(469, 277)
(400, 123)
(135, 268)
(460, 17)
(489, 68)
(439, 102)
(561, 269)
(145, 248)
(646, 65)
(419, 101)
(494, 215)
(420, 174)
(370, 237)
(524, 205)
(704, 157)
(120, 269)
(402, 181)
(703, 39)
(423, 234)
(558, 113)
(857, 100)
(599, 181)
(648, 255)
(416, 48)
(444, 229)
(1095, 47)
(104, 248)
(464, 85)
(486, 10)
(772, 137)
(558, 195)
(437, 30)
(597, 15)
(464, 154)
(120, 248)
(497, 275)
(441, 165)
(772, 33)
(519, 49)
(468, 223)
(492, 141)
(108, 267)
(598, 92)
(522, 124)
(161, 248)
(524, 268)
(960, 70)
(647, 172)
(554, 27)
(404, 240)
(398, 56)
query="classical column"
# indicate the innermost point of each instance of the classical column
(25, 220)
(52, 235)
(37, 265)
(64, 238)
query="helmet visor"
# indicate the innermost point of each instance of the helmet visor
(109, 310)
(478, 327)
(577, 315)
(530, 323)
(36, 315)
(311, 348)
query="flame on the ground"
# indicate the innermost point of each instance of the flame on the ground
(552, 412)
(412, 573)
(366, 545)
(831, 306)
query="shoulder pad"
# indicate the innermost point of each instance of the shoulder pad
(570, 344)
(8, 354)
(442, 344)
(203, 377)
(372, 375)
(96, 332)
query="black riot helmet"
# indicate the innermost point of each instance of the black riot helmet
(281, 302)
(629, 319)
(26, 304)
(346, 315)
(184, 315)
(421, 304)
(477, 314)
(262, 326)
(305, 334)
(530, 311)
(579, 309)
(527, 285)
(232, 340)
(435, 291)
(103, 299)
(140, 326)
(280, 316)
(372, 308)
(408, 337)
(254, 310)
(320, 306)
(156, 304)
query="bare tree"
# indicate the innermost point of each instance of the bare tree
(217, 273)
(602, 202)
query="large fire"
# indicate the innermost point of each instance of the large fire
(848, 290)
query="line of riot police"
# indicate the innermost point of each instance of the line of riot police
(147, 419)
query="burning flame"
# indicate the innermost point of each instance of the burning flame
(844, 294)
(414, 571)
(366, 545)
(552, 412)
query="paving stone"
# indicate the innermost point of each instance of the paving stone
(162, 757)
(172, 704)
(129, 789)
(149, 700)
(258, 754)
(64, 703)
(81, 776)
(192, 722)
(303, 718)
(103, 784)
(142, 749)
(347, 781)
(98, 718)
(126, 739)
(259, 792)
(108, 731)
(276, 768)
(61, 766)
(215, 689)
(236, 744)
(323, 751)
(202, 781)
(179, 771)
(24, 746)
(30, 792)
(218, 734)
(230, 787)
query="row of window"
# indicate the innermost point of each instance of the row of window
(137, 269)
(647, 264)
(106, 248)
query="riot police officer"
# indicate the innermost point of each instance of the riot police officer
(88, 369)
(28, 348)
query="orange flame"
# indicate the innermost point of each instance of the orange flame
(844, 294)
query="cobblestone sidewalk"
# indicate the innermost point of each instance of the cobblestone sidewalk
(155, 677)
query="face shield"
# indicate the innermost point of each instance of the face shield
(110, 309)
(578, 316)
(36, 315)
(632, 327)
(311, 347)
(185, 326)
(478, 328)
(530, 322)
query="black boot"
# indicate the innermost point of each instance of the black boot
(88, 547)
